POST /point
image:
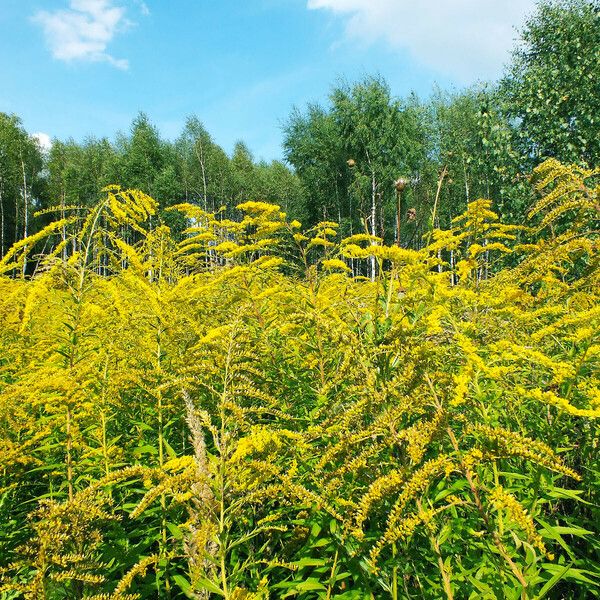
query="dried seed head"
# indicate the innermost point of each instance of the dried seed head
(400, 184)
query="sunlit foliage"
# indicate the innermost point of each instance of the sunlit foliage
(242, 415)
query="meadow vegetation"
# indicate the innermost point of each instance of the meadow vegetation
(368, 372)
(252, 409)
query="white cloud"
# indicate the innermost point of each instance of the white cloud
(464, 39)
(43, 140)
(84, 31)
(143, 7)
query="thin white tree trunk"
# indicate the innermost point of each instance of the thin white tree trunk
(436, 224)
(373, 220)
(200, 154)
(467, 191)
(64, 228)
(1, 222)
(17, 221)
(25, 215)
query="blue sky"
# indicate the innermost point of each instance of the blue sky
(71, 68)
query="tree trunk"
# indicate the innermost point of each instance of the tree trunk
(398, 216)
(467, 191)
(25, 214)
(64, 229)
(200, 154)
(1, 222)
(17, 221)
(373, 220)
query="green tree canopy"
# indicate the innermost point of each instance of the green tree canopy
(21, 182)
(349, 155)
(552, 86)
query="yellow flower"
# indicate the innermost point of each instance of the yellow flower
(335, 264)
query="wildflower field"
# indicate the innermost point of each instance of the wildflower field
(251, 410)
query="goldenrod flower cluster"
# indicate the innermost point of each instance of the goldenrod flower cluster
(259, 410)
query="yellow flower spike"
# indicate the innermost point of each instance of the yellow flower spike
(517, 513)
(335, 264)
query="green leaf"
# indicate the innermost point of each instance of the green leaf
(184, 585)
(310, 585)
(309, 562)
(579, 575)
(552, 582)
(175, 531)
(205, 584)
(170, 451)
(569, 494)
(147, 449)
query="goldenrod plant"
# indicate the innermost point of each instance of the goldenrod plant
(240, 413)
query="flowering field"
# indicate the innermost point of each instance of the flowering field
(256, 411)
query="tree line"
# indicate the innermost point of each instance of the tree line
(456, 146)
(192, 169)
(392, 167)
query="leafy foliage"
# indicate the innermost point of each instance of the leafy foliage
(240, 414)
(550, 86)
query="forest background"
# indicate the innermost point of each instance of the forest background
(342, 159)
